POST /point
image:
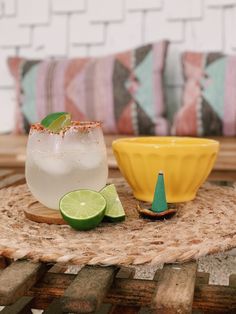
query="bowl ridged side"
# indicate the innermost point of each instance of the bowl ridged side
(141, 171)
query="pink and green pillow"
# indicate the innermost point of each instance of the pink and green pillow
(124, 90)
(209, 96)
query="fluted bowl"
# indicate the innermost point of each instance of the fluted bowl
(185, 162)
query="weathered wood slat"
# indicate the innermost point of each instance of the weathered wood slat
(21, 306)
(202, 278)
(52, 285)
(130, 292)
(175, 288)
(3, 263)
(140, 292)
(5, 172)
(157, 274)
(88, 290)
(103, 309)
(218, 299)
(17, 278)
(12, 179)
(58, 268)
(15, 162)
(127, 273)
(54, 308)
(232, 280)
(217, 175)
(118, 309)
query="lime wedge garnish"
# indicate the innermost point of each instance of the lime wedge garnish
(56, 121)
(83, 209)
(60, 123)
(51, 117)
(114, 209)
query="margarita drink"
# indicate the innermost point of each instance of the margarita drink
(57, 163)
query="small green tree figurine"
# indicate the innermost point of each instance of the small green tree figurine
(159, 200)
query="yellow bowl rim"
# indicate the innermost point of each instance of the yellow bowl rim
(140, 141)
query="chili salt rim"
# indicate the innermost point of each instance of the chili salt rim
(75, 125)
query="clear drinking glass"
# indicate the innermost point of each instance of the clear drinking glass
(57, 163)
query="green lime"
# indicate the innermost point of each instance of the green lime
(51, 117)
(83, 209)
(114, 209)
(56, 121)
(60, 123)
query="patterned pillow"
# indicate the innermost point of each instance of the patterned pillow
(124, 90)
(209, 99)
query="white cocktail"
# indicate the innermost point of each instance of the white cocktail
(57, 163)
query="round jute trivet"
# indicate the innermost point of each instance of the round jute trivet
(200, 227)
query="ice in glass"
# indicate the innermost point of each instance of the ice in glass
(57, 163)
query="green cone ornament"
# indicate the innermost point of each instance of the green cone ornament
(159, 201)
(159, 209)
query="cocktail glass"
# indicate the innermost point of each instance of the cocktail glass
(57, 163)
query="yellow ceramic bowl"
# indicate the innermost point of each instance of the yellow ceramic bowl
(186, 163)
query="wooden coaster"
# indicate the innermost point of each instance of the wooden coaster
(39, 213)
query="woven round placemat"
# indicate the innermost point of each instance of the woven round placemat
(200, 227)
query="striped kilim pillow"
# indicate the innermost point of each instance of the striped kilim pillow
(209, 99)
(123, 90)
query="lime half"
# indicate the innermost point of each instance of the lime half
(114, 209)
(83, 209)
(56, 121)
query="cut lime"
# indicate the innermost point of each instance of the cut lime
(83, 209)
(51, 117)
(114, 209)
(56, 121)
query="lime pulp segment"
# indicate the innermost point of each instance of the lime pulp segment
(82, 204)
(114, 208)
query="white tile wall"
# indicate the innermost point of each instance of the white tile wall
(12, 34)
(184, 10)
(122, 36)
(220, 3)
(9, 7)
(106, 10)
(52, 38)
(78, 51)
(157, 26)
(82, 31)
(7, 101)
(68, 6)
(6, 80)
(233, 21)
(229, 16)
(207, 33)
(38, 29)
(137, 5)
(32, 12)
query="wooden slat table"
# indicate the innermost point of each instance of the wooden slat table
(177, 288)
